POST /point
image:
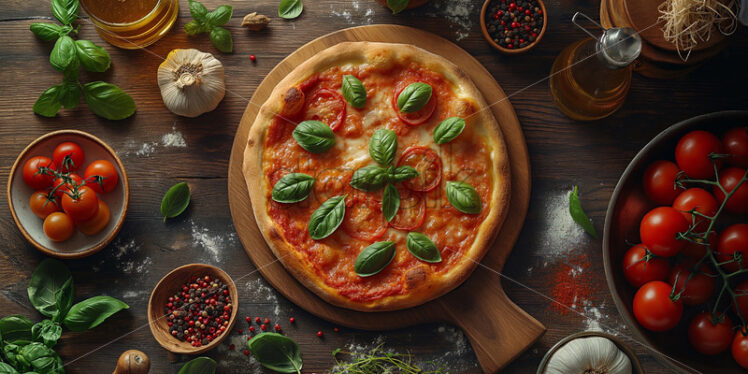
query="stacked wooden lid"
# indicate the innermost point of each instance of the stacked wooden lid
(659, 58)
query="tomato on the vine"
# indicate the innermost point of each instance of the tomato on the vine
(38, 172)
(699, 200)
(729, 179)
(696, 251)
(65, 184)
(742, 299)
(42, 204)
(659, 229)
(692, 154)
(68, 156)
(698, 289)
(708, 337)
(733, 239)
(736, 145)
(58, 227)
(81, 204)
(101, 176)
(93, 225)
(654, 309)
(640, 266)
(740, 347)
(659, 182)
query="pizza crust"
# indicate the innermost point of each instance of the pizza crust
(421, 287)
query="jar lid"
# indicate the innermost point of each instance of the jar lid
(620, 46)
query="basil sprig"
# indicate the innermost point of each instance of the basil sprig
(578, 214)
(390, 202)
(397, 6)
(463, 197)
(314, 136)
(290, 9)
(276, 352)
(420, 246)
(414, 97)
(354, 91)
(327, 218)
(200, 365)
(448, 130)
(292, 188)
(374, 258)
(211, 22)
(175, 201)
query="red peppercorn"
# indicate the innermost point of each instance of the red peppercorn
(231, 347)
(263, 327)
(249, 319)
(249, 337)
(267, 320)
(251, 329)
(277, 327)
(246, 352)
(510, 46)
(540, 11)
(336, 329)
(258, 319)
(500, 13)
(319, 334)
(512, 6)
(252, 58)
(239, 331)
(292, 320)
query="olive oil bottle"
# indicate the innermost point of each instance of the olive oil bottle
(132, 24)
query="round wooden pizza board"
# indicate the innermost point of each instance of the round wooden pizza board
(498, 330)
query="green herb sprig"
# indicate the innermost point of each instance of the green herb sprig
(211, 22)
(378, 361)
(276, 352)
(290, 9)
(200, 365)
(175, 201)
(579, 216)
(68, 55)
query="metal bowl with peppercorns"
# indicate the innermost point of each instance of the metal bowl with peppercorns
(513, 26)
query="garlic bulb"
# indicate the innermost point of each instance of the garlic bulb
(590, 355)
(191, 82)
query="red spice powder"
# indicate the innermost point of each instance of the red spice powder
(571, 282)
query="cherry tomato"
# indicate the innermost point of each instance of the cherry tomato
(742, 301)
(81, 205)
(96, 223)
(427, 163)
(736, 145)
(68, 156)
(364, 219)
(38, 172)
(418, 117)
(698, 289)
(733, 239)
(42, 204)
(729, 179)
(740, 348)
(639, 266)
(659, 228)
(697, 251)
(101, 176)
(659, 182)
(654, 309)
(412, 211)
(58, 227)
(708, 337)
(327, 106)
(66, 184)
(692, 154)
(699, 200)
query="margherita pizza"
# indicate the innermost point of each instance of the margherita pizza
(377, 176)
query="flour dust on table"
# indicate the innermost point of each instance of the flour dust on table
(560, 233)
(260, 292)
(459, 13)
(172, 139)
(125, 259)
(355, 15)
(213, 243)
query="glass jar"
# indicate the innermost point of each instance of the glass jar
(132, 24)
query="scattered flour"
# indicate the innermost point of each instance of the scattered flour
(354, 15)
(460, 14)
(258, 290)
(213, 244)
(132, 295)
(125, 259)
(173, 139)
(560, 234)
(146, 149)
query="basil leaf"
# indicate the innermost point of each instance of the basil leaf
(91, 56)
(414, 97)
(198, 11)
(49, 102)
(397, 6)
(369, 178)
(290, 9)
(66, 11)
(422, 247)
(292, 188)
(463, 197)
(327, 218)
(390, 202)
(221, 39)
(63, 54)
(276, 352)
(200, 365)
(90, 313)
(575, 209)
(374, 258)
(48, 279)
(354, 91)
(70, 94)
(194, 28)
(403, 173)
(63, 300)
(175, 201)
(16, 328)
(219, 16)
(314, 136)
(41, 358)
(108, 101)
(46, 332)
(10, 353)
(7, 369)
(382, 146)
(448, 130)
(46, 31)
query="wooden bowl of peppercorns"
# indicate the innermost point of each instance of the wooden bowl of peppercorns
(513, 26)
(193, 308)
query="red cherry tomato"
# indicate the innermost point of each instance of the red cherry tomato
(742, 301)
(659, 228)
(58, 227)
(698, 289)
(427, 163)
(66, 184)
(418, 117)
(639, 266)
(740, 348)
(697, 251)
(733, 239)
(96, 223)
(692, 154)
(699, 200)
(412, 211)
(708, 337)
(659, 182)
(38, 172)
(654, 309)
(68, 156)
(101, 176)
(364, 219)
(81, 205)
(42, 204)
(327, 106)
(736, 145)
(729, 179)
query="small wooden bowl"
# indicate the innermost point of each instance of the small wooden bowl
(171, 284)
(18, 194)
(514, 51)
(636, 366)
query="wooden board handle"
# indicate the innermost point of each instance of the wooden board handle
(498, 329)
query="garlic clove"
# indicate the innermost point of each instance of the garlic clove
(191, 82)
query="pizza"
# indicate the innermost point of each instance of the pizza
(377, 175)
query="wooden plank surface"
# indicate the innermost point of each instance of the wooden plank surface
(563, 153)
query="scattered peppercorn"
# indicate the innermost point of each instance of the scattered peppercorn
(200, 312)
(267, 320)
(252, 58)
(336, 329)
(277, 327)
(251, 329)
(514, 23)
(263, 327)
(249, 319)
(239, 331)
(246, 352)
(258, 320)
(231, 347)
(292, 320)
(319, 334)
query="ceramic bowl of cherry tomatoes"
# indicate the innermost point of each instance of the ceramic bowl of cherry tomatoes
(68, 193)
(675, 245)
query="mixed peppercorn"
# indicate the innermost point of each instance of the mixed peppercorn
(514, 24)
(200, 312)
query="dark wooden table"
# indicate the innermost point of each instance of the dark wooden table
(563, 153)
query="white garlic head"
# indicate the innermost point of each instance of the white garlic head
(589, 355)
(191, 82)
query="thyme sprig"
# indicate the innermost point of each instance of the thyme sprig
(379, 361)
